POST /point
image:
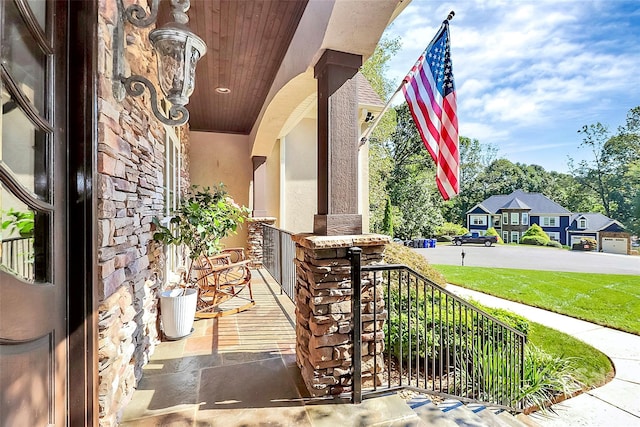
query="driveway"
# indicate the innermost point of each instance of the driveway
(533, 258)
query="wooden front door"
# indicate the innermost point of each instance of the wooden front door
(34, 285)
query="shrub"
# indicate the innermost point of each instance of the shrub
(512, 319)
(554, 244)
(444, 238)
(534, 240)
(546, 377)
(396, 253)
(536, 236)
(535, 230)
(451, 229)
(492, 232)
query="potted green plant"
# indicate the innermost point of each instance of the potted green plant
(205, 216)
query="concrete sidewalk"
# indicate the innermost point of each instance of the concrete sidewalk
(617, 403)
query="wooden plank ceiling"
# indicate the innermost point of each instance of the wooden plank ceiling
(246, 43)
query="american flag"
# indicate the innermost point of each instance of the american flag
(430, 93)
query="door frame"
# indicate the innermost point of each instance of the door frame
(82, 100)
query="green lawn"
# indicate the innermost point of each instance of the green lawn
(611, 300)
(592, 366)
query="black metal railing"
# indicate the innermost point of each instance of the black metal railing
(278, 253)
(434, 341)
(17, 256)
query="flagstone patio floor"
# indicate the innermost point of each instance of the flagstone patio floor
(240, 370)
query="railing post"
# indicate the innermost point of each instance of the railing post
(355, 255)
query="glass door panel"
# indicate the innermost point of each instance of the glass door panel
(39, 10)
(23, 149)
(23, 58)
(24, 250)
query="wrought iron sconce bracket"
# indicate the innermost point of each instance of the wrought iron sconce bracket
(167, 42)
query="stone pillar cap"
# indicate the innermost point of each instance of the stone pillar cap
(314, 241)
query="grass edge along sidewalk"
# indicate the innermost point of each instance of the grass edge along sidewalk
(611, 300)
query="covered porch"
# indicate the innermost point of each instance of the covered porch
(241, 370)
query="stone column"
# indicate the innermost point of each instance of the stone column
(337, 145)
(324, 344)
(256, 239)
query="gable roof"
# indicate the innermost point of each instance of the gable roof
(595, 221)
(478, 209)
(538, 203)
(366, 94)
(516, 203)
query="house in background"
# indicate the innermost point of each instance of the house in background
(609, 233)
(512, 215)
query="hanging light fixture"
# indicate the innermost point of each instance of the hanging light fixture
(177, 50)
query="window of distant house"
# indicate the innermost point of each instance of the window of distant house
(479, 219)
(554, 235)
(496, 221)
(515, 218)
(505, 236)
(582, 223)
(550, 221)
(505, 218)
(515, 237)
(525, 218)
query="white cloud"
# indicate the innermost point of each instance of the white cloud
(483, 132)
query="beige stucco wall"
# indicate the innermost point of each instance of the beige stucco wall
(299, 201)
(217, 157)
(273, 184)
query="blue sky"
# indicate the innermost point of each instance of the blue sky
(529, 74)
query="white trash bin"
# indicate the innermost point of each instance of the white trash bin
(178, 309)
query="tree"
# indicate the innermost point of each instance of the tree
(451, 229)
(387, 221)
(379, 159)
(411, 183)
(501, 177)
(474, 158)
(597, 174)
(611, 173)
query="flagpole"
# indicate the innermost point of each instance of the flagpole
(365, 136)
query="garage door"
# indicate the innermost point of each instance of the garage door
(615, 245)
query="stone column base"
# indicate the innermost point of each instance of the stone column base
(324, 343)
(256, 239)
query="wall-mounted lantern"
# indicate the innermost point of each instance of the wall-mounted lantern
(177, 50)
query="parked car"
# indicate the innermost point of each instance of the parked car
(475, 238)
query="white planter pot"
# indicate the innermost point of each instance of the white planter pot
(178, 312)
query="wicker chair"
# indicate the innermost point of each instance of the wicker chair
(224, 284)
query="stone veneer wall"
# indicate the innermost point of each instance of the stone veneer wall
(130, 192)
(324, 345)
(256, 239)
